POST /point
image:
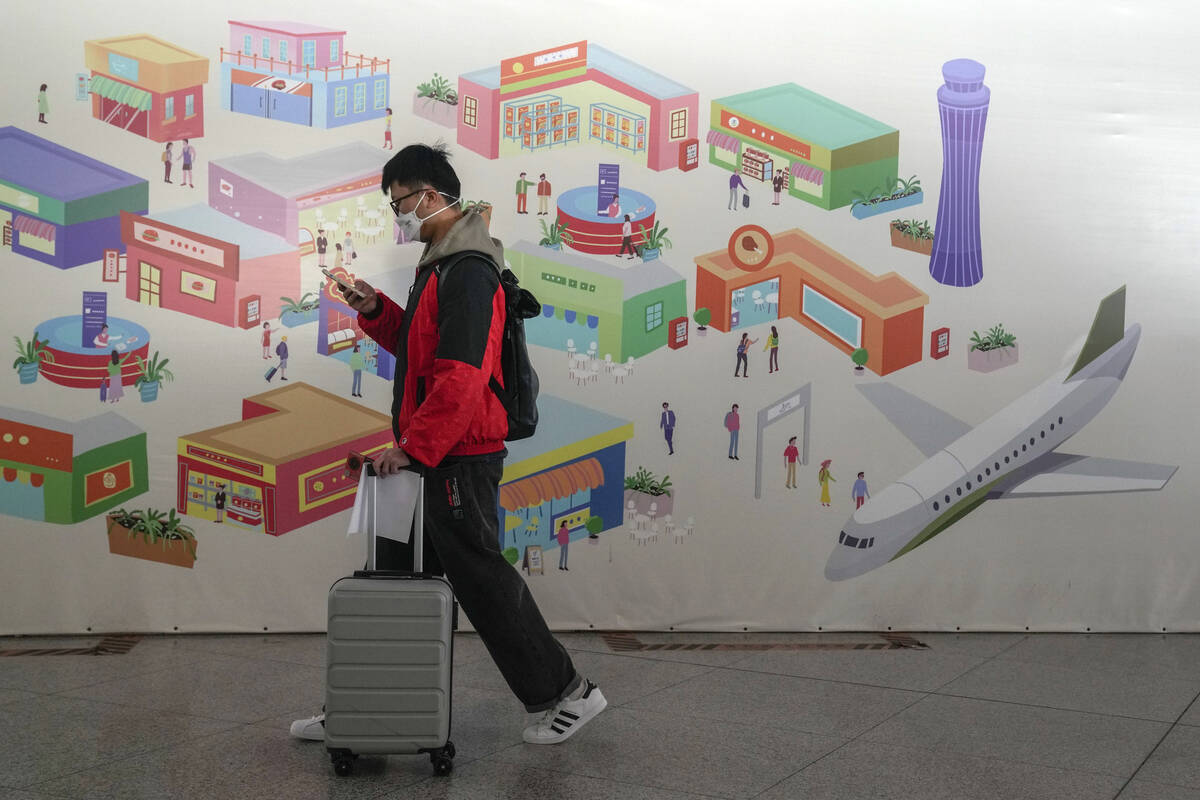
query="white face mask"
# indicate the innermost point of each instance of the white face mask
(410, 223)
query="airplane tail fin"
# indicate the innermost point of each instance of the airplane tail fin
(1107, 329)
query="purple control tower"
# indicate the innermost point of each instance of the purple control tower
(963, 103)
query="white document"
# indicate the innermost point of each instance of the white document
(396, 503)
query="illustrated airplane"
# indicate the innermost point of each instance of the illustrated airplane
(1012, 454)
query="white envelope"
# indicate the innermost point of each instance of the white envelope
(396, 503)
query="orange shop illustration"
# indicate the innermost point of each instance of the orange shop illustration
(762, 277)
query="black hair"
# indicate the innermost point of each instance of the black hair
(861, 474)
(115, 358)
(791, 440)
(664, 405)
(43, 88)
(421, 163)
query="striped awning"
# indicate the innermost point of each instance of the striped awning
(551, 485)
(806, 173)
(723, 141)
(122, 93)
(35, 227)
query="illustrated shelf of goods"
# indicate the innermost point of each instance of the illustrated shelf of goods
(617, 127)
(756, 164)
(541, 121)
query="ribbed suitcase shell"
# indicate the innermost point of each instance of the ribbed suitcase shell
(388, 662)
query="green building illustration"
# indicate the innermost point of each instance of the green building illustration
(624, 308)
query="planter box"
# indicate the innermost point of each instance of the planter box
(28, 372)
(435, 111)
(642, 501)
(991, 360)
(121, 544)
(862, 211)
(149, 391)
(923, 246)
(291, 319)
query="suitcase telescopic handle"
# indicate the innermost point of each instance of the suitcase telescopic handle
(372, 510)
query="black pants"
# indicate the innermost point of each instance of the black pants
(742, 361)
(462, 542)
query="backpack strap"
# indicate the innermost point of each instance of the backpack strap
(505, 396)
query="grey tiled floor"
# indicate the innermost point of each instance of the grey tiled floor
(972, 716)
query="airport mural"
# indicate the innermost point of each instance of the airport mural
(740, 313)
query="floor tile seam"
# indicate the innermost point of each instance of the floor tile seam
(734, 668)
(604, 777)
(653, 692)
(939, 693)
(1157, 745)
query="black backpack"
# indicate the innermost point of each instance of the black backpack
(519, 393)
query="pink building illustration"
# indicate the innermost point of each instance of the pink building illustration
(147, 86)
(575, 94)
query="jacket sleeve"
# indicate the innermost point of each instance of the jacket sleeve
(470, 327)
(384, 324)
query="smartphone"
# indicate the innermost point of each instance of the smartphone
(341, 282)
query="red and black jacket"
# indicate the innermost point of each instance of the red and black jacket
(447, 342)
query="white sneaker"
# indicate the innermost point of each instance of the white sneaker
(312, 728)
(560, 722)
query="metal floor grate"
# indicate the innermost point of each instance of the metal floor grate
(115, 645)
(629, 643)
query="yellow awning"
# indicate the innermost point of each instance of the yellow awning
(551, 485)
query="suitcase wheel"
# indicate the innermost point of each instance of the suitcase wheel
(443, 760)
(343, 764)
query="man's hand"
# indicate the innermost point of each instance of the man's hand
(391, 461)
(364, 303)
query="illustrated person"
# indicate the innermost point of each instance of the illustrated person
(337, 255)
(167, 158)
(451, 426)
(733, 424)
(735, 180)
(387, 131)
(266, 341)
(522, 198)
(188, 154)
(791, 454)
(615, 210)
(348, 251)
(626, 239)
(322, 246)
(543, 194)
(101, 338)
(115, 390)
(772, 345)
(777, 184)
(667, 423)
(564, 539)
(824, 476)
(356, 367)
(859, 493)
(281, 350)
(219, 501)
(743, 362)
(43, 105)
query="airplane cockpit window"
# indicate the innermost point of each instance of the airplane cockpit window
(851, 541)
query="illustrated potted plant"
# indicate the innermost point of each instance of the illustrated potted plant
(860, 358)
(702, 317)
(895, 193)
(594, 525)
(30, 355)
(643, 488)
(994, 350)
(555, 235)
(298, 312)
(153, 373)
(153, 536)
(909, 234)
(653, 241)
(436, 101)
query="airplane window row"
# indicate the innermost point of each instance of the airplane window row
(958, 490)
(854, 541)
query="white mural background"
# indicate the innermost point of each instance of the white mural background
(1090, 180)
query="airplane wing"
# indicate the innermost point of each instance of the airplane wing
(925, 425)
(1056, 474)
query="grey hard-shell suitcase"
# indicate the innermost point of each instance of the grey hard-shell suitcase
(389, 657)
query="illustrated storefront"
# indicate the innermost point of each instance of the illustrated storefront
(65, 472)
(572, 469)
(147, 86)
(573, 94)
(626, 311)
(802, 278)
(200, 262)
(826, 151)
(338, 330)
(61, 207)
(335, 189)
(301, 73)
(283, 465)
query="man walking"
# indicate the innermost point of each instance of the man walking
(356, 367)
(281, 350)
(166, 159)
(322, 246)
(522, 196)
(543, 194)
(859, 493)
(188, 154)
(733, 424)
(626, 239)
(791, 454)
(667, 423)
(735, 180)
(448, 421)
